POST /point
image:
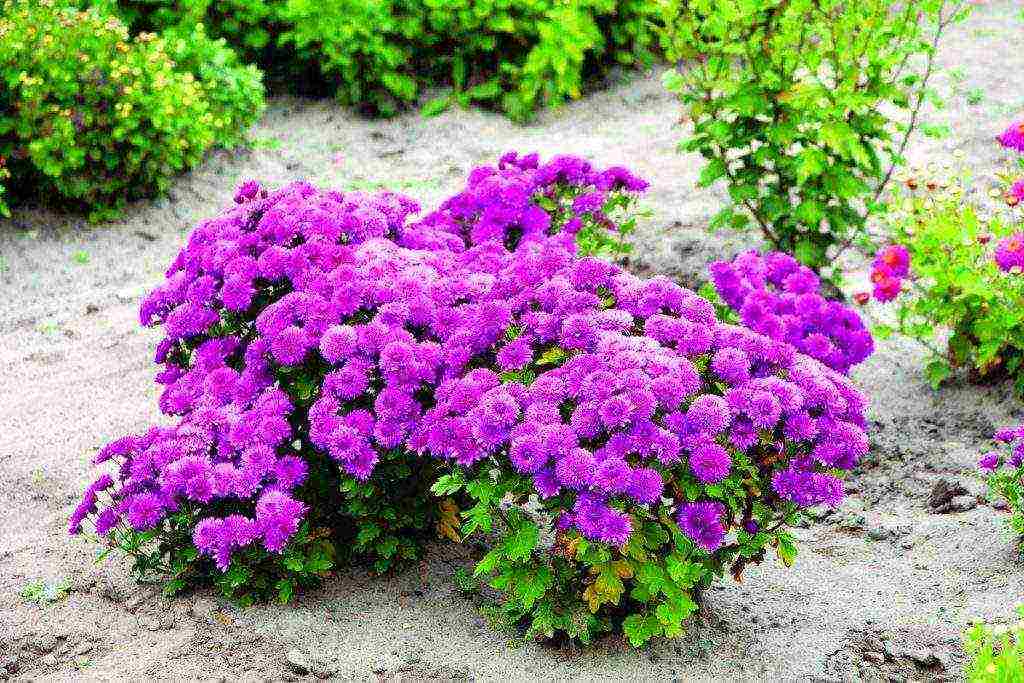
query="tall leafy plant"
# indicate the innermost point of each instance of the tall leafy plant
(788, 98)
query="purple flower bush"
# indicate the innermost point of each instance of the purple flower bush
(1004, 468)
(346, 380)
(777, 296)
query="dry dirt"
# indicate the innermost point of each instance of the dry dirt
(882, 589)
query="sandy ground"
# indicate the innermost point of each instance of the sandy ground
(882, 589)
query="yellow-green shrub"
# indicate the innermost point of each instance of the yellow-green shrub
(93, 117)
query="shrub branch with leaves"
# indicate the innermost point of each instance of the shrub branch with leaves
(957, 278)
(787, 100)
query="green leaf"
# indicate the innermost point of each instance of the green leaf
(937, 371)
(787, 549)
(436, 106)
(520, 544)
(285, 590)
(639, 628)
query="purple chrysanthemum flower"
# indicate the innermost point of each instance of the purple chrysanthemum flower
(702, 522)
(710, 462)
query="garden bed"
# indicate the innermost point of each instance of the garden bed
(884, 586)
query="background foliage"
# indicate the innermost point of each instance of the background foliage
(787, 100)
(95, 117)
(956, 284)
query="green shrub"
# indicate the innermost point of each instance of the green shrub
(233, 91)
(4, 175)
(787, 99)
(247, 25)
(515, 55)
(97, 118)
(996, 652)
(381, 54)
(961, 279)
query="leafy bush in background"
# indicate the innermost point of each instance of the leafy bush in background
(329, 361)
(382, 54)
(247, 25)
(787, 100)
(515, 55)
(97, 118)
(952, 270)
(996, 652)
(233, 91)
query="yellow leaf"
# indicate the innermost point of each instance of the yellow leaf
(449, 523)
(623, 569)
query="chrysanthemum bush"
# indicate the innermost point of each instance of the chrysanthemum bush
(349, 383)
(1004, 468)
(93, 117)
(956, 275)
(777, 296)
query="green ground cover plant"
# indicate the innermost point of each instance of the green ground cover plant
(996, 652)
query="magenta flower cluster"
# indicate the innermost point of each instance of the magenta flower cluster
(890, 268)
(1013, 438)
(402, 335)
(1013, 137)
(1009, 253)
(777, 296)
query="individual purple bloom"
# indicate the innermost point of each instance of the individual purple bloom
(612, 476)
(990, 461)
(515, 355)
(290, 345)
(701, 521)
(528, 455)
(707, 415)
(144, 511)
(614, 412)
(575, 469)
(646, 485)
(106, 521)
(732, 365)
(546, 483)
(338, 343)
(710, 463)
(290, 471)
(764, 410)
(277, 518)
